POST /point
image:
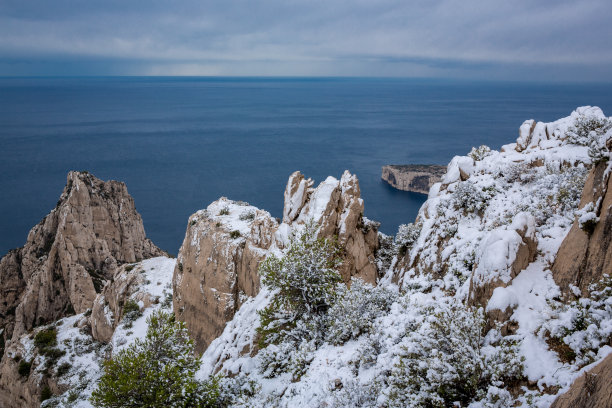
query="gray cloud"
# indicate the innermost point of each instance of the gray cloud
(493, 39)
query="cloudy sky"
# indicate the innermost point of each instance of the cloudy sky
(511, 39)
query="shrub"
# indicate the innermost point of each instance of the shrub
(407, 234)
(234, 234)
(356, 309)
(45, 339)
(305, 276)
(63, 369)
(158, 371)
(45, 393)
(224, 211)
(479, 153)
(445, 360)
(128, 268)
(582, 327)
(385, 253)
(292, 326)
(468, 197)
(247, 216)
(24, 368)
(586, 129)
(131, 312)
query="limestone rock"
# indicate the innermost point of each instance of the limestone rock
(336, 205)
(584, 257)
(416, 178)
(108, 305)
(217, 265)
(70, 253)
(593, 389)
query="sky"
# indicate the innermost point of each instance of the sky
(555, 40)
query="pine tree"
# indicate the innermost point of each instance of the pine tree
(155, 372)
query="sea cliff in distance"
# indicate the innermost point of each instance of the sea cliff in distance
(417, 178)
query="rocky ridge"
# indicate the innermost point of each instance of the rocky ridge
(217, 264)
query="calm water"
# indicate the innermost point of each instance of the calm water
(180, 143)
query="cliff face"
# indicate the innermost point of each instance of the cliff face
(224, 244)
(217, 265)
(417, 178)
(70, 253)
(585, 256)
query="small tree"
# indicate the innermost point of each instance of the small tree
(158, 371)
(306, 276)
(293, 324)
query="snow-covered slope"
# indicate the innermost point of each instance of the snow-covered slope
(486, 238)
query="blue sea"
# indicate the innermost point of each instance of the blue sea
(181, 143)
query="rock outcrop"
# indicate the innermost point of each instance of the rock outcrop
(585, 256)
(417, 178)
(127, 283)
(336, 205)
(217, 265)
(70, 253)
(593, 389)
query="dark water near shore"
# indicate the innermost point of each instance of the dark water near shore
(180, 143)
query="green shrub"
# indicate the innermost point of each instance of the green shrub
(293, 324)
(128, 268)
(224, 211)
(63, 369)
(24, 368)
(45, 393)
(158, 371)
(46, 339)
(234, 234)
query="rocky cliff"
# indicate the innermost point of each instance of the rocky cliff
(417, 178)
(67, 259)
(224, 244)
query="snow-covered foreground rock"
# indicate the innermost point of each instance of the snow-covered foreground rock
(479, 255)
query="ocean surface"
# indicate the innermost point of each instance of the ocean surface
(181, 143)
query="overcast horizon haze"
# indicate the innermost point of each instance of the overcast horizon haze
(523, 41)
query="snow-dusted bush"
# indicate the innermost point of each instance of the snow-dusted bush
(479, 153)
(587, 218)
(305, 276)
(520, 172)
(385, 253)
(236, 391)
(471, 198)
(406, 236)
(586, 129)
(445, 359)
(247, 216)
(583, 325)
(356, 309)
(557, 191)
(292, 325)
(357, 395)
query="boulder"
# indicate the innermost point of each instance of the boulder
(593, 389)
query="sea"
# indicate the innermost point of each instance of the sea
(180, 143)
